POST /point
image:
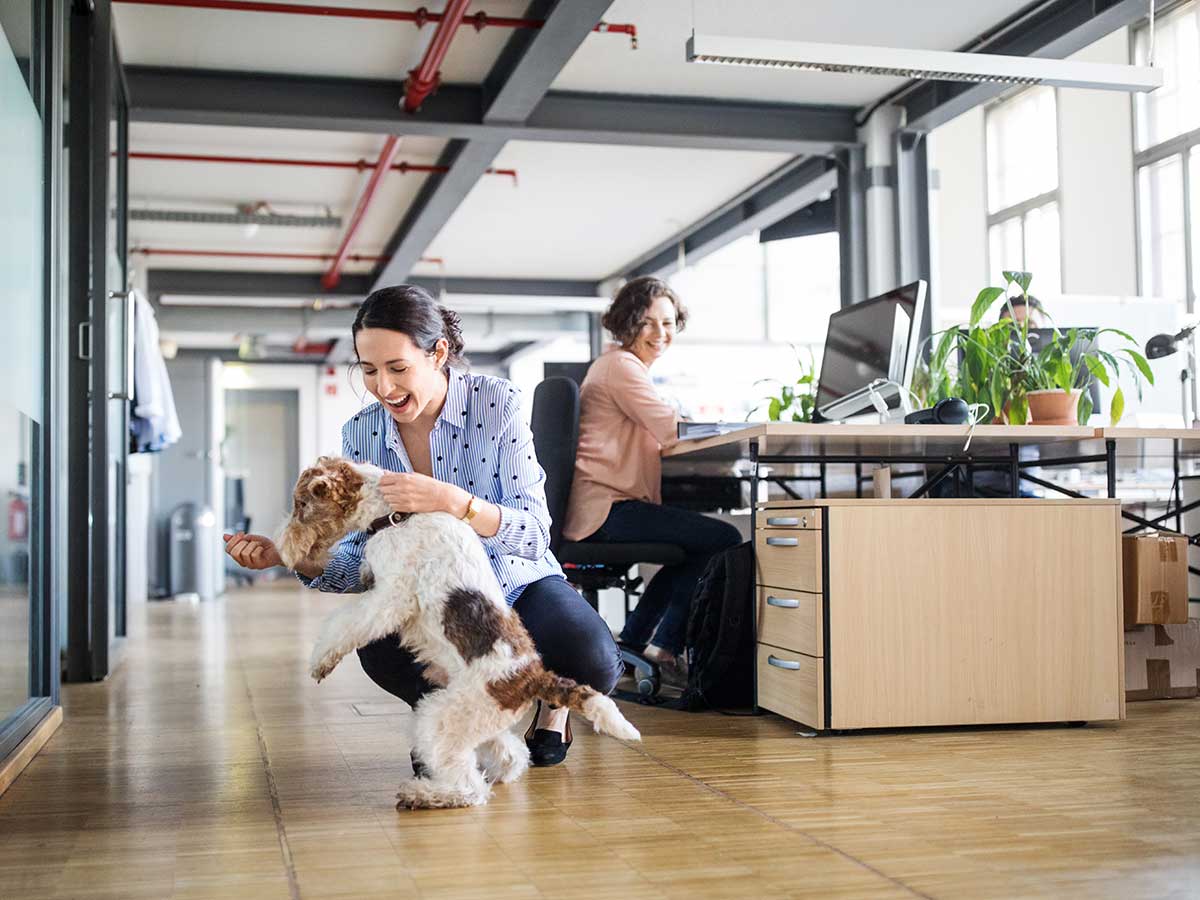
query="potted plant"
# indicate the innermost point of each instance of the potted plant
(981, 363)
(997, 365)
(1059, 385)
(793, 402)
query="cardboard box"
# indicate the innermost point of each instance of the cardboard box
(1162, 662)
(1155, 572)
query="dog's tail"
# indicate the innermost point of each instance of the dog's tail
(604, 715)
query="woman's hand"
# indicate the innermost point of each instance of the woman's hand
(415, 493)
(253, 551)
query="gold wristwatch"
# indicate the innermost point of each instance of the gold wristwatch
(471, 512)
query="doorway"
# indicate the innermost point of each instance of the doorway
(261, 457)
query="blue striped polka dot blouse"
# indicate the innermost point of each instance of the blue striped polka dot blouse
(480, 443)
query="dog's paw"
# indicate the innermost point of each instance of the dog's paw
(321, 666)
(419, 793)
(504, 758)
(366, 577)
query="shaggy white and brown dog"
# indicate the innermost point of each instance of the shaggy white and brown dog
(428, 581)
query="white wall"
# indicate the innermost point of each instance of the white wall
(1099, 249)
(340, 394)
(958, 213)
(1095, 187)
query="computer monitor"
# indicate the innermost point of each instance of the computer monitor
(871, 348)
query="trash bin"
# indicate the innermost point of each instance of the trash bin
(193, 541)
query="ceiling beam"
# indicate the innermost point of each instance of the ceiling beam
(1052, 32)
(527, 66)
(336, 322)
(791, 187)
(305, 285)
(262, 100)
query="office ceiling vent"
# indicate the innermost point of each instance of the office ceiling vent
(938, 65)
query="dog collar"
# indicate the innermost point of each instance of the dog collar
(393, 518)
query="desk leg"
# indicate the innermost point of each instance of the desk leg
(754, 482)
(1178, 487)
(858, 480)
(1014, 470)
(824, 485)
(1110, 463)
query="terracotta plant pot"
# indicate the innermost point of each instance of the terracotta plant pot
(1053, 407)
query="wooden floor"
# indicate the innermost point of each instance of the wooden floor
(210, 766)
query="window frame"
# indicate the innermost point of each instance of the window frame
(1022, 208)
(1180, 146)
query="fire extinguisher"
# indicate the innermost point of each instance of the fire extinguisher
(18, 519)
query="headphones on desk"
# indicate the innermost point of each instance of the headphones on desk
(951, 411)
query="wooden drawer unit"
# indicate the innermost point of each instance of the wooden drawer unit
(807, 519)
(791, 684)
(791, 620)
(890, 613)
(789, 558)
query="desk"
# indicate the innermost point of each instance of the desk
(953, 447)
(876, 641)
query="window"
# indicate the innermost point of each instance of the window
(746, 303)
(1022, 164)
(1174, 108)
(804, 288)
(1168, 160)
(724, 293)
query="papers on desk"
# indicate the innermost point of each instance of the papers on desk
(691, 431)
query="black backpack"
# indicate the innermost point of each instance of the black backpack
(720, 635)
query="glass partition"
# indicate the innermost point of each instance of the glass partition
(23, 348)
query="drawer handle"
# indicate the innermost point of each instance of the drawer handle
(783, 602)
(783, 542)
(781, 663)
(785, 520)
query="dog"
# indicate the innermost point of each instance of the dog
(428, 581)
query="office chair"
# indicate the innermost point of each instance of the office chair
(589, 566)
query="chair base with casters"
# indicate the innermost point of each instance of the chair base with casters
(595, 566)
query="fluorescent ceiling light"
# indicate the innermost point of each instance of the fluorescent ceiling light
(925, 64)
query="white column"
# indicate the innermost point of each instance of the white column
(878, 139)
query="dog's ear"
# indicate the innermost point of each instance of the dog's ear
(296, 544)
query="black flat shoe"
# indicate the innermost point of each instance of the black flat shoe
(546, 747)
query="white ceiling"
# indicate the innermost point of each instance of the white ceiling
(584, 210)
(658, 66)
(309, 45)
(579, 211)
(307, 191)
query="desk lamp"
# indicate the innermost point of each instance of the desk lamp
(1165, 345)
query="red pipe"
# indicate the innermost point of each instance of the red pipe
(264, 255)
(424, 79)
(419, 17)
(255, 254)
(330, 279)
(360, 165)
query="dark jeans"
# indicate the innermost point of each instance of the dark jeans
(570, 636)
(662, 613)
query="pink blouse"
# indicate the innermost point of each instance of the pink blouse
(624, 425)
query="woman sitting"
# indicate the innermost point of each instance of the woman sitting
(616, 497)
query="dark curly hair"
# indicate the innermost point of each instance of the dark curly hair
(411, 310)
(627, 312)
